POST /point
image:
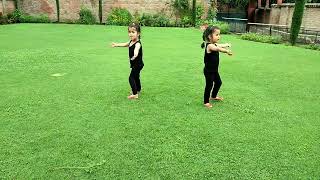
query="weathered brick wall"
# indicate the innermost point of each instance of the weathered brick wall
(282, 14)
(39, 7)
(312, 17)
(140, 6)
(6, 6)
(69, 9)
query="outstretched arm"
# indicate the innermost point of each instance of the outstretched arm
(213, 47)
(120, 44)
(136, 51)
(226, 45)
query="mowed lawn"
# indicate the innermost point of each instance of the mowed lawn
(64, 112)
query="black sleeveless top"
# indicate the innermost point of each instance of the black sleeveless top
(137, 62)
(211, 60)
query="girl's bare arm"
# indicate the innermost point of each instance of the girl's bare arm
(120, 44)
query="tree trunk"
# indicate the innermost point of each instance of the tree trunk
(100, 11)
(194, 4)
(58, 10)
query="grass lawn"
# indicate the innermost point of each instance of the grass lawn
(64, 112)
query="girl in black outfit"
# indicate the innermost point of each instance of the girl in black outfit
(135, 56)
(211, 60)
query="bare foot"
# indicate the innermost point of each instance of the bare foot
(208, 105)
(133, 96)
(217, 98)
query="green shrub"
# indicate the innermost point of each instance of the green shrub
(15, 16)
(156, 20)
(212, 14)
(136, 17)
(182, 7)
(160, 20)
(3, 19)
(119, 16)
(146, 20)
(313, 46)
(224, 27)
(86, 17)
(34, 19)
(186, 21)
(199, 12)
(261, 38)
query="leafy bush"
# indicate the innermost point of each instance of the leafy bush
(86, 17)
(146, 20)
(160, 20)
(212, 14)
(34, 19)
(136, 17)
(3, 19)
(224, 27)
(199, 12)
(186, 21)
(182, 7)
(119, 16)
(156, 20)
(313, 46)
(15, 16)
(261, 38)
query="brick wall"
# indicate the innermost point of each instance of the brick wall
(6, 6)
(140, 6)
(282, 14)
(38, 7)
(69, 9)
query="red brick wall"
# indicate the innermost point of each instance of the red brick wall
(69, 9)
(38, 7)
(7, 8)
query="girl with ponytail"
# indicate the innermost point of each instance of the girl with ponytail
(210, 38)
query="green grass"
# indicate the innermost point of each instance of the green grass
(81, 125)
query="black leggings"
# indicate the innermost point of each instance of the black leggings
(134, 79)
(210, 78)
